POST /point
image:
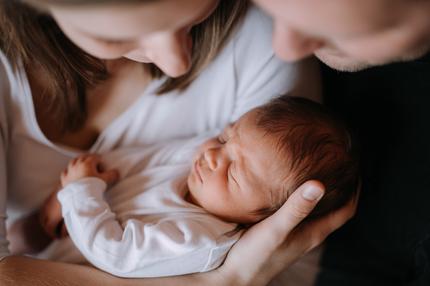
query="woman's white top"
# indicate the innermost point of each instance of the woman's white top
(244, 75)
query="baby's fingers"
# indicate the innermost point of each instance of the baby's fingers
(110, 177)
(92, 160)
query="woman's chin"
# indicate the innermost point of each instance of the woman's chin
(138, 59)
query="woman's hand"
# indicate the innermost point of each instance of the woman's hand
(262, 252)
(278, 241)
(51, 218)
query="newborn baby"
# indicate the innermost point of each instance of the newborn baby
(170, 215)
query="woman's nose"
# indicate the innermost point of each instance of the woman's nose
(291, 45)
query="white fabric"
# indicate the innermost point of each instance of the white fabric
(4, 89)
(144, 227)
(245, 74)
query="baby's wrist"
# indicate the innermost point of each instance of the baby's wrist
(75, 178)
(65, 183)
(85, 187)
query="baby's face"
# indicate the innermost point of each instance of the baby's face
(238, 173)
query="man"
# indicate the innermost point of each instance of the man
(388, 242)
(350, 35)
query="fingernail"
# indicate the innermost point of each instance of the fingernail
(312, 193)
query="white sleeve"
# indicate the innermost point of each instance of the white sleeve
(164, 247)
(261, 75)
(3, 193)
(4, 86)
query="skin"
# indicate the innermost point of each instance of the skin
(237, 173)
(154, 32)
(350, 35)
(125, 36)
(233, 176)
(274, 244)
(87, 165)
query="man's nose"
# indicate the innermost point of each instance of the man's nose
(291, 45)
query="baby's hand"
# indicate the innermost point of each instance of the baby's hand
(87, 166)
(50, 217)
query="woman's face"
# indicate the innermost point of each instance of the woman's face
(153, 32)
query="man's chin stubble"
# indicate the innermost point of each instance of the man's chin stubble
(345, 64)
(342, 64)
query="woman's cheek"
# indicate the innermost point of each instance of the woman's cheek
(98, 50)
(104, 52)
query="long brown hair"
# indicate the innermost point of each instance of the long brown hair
(31, 37)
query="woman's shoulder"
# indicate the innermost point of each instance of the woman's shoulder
(4, 101)
(254, 36)
(5, 79)
(14, 85)
(6, 76)
(254, 56)
(14, 92)
(251, 41)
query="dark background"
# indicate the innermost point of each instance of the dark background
(388, 242)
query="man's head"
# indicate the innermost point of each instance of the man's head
(350, 34)
(249, 171)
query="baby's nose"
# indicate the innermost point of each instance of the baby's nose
(210, 156)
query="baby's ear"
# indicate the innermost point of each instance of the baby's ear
(287, 188)
(263, 213)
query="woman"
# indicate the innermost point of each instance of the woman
(73, 81)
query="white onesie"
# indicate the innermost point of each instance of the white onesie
(143, 227)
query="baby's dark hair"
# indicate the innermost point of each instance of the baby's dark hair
(316, 146)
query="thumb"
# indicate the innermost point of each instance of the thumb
(298, 206)
(266, 237)
(110, 177)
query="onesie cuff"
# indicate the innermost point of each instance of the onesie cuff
(81, 191)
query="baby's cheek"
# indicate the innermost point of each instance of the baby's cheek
(208, 197)
(221, 197)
